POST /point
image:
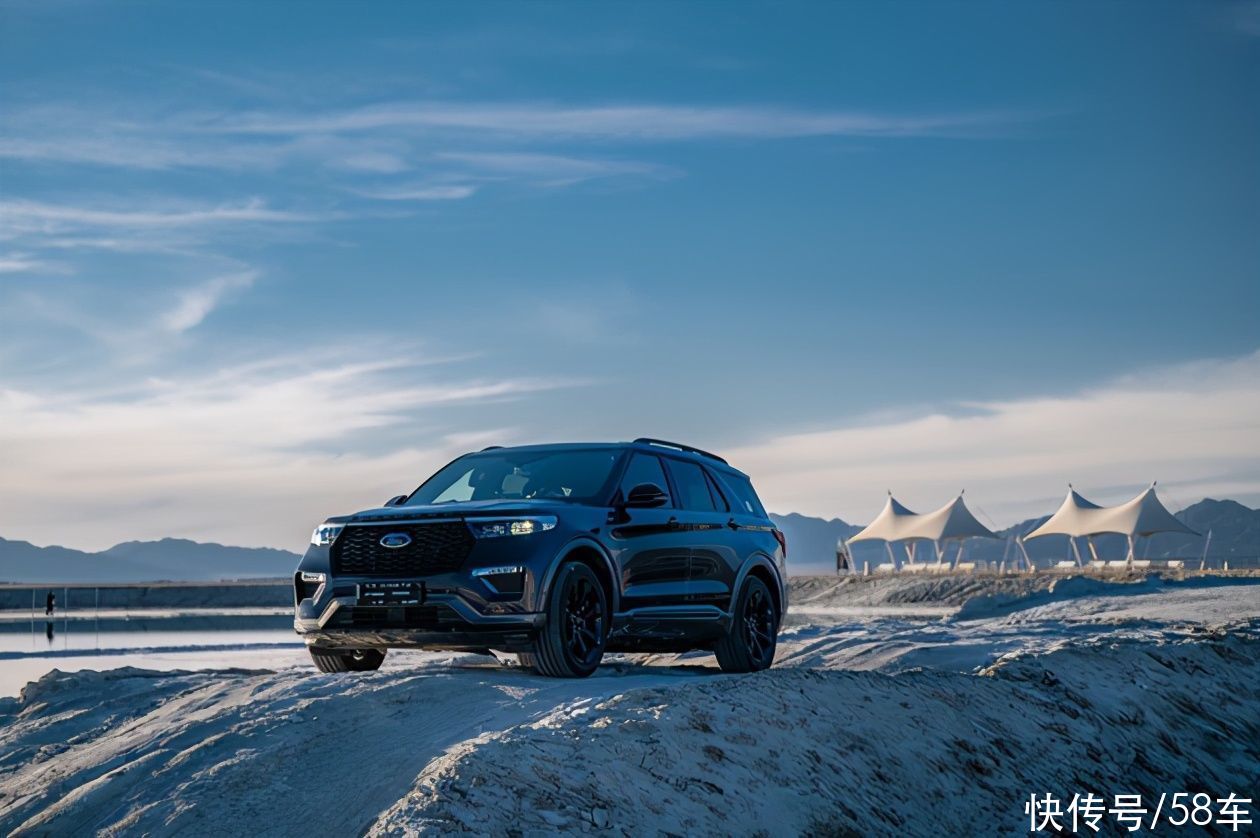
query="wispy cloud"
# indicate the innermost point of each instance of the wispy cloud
(1192, 427)
(252, 453)
(197, 302)
(21, 216)
(420, 192)
(554, 169)
(391, 137)
(15, 263)
(625, 122)
(53, 235)
(78, 326)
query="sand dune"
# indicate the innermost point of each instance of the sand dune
(876, 724)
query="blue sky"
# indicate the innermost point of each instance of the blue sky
(260, 263)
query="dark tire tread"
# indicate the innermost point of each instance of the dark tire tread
(547, 657)
(732, 652)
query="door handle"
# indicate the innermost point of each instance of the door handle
(733, 524)
(672, 523)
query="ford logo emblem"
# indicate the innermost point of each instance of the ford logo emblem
(395, 540)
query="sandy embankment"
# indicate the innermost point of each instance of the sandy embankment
(874, 725)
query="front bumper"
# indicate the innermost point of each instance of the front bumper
(443, 621)
(464, 604)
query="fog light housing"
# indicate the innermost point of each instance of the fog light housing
(309, 585)
(505, 580)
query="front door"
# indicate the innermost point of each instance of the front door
(651, 545)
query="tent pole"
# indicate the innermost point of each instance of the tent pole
(1076, 551)
(1093, 548)
(1027, 559)
(959, 555)
(1129, 559)
(1206, 542)
(891, 557)
(937, 546)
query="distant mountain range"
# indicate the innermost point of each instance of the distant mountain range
(171, 559)
(811, 549)
(1235, 536)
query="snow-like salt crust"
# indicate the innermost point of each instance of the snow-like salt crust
(910, 724)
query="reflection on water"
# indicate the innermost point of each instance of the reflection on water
(139, 631)
(47, 635)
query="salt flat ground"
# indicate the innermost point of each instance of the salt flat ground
(898, 706)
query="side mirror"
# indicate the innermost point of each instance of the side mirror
(396, 500)
(646, 496)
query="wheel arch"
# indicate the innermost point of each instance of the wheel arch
(761, 566)
(592, 554)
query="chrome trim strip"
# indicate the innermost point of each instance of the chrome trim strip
(502, 570)
(331, 609)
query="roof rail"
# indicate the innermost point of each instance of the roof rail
(491, 447)
(647, 440)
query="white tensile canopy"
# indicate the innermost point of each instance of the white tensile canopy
(1078, 517)
(896, 523)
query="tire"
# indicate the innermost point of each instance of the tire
(348, 660)
(571, 643)
(749, 643)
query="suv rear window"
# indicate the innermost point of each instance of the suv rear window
(742, 494)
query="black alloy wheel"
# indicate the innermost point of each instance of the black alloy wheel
(583, 626)
(758, 627)
(571, 643)
(749, 644)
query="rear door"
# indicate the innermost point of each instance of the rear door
(652, 548)
(705, 514)
(749, 519)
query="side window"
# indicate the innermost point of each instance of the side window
(719, 500)
(745, 498)
(693, 487)
(644, 468)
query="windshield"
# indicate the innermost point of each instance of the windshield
(582, 476)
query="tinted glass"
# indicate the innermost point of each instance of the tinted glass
(574, 476)
(716, 491)
(743, 496)
(644, 468)
(693, 489)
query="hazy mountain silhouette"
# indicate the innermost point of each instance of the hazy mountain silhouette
(174, 559)
(811, 549)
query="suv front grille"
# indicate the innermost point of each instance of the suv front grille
(439, 547)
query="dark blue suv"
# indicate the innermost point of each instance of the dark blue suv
(556, 552)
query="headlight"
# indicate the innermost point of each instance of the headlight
(512, 526)
(326, 534)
